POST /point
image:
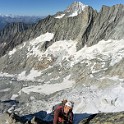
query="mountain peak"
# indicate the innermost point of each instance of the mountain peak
(78, 3)
(75, 8)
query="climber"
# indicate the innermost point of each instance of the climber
(59, 104)
(64, 114)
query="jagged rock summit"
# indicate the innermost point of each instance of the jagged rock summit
(73, 10)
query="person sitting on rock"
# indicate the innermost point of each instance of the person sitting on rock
(64, 114)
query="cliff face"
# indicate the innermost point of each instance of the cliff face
(107, 25)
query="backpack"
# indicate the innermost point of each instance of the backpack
(57, 105)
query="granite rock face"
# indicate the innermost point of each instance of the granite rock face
(108, 24)
(105, 118)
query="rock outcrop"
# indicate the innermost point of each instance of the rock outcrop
(105, 118)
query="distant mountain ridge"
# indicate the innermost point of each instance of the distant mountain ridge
(5, 19)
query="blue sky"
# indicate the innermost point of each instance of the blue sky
(46, 7)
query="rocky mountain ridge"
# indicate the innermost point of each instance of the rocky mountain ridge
(88, 27)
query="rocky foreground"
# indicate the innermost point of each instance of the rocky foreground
(105, 118)
(100, 118)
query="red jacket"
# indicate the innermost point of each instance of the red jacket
(61, 118)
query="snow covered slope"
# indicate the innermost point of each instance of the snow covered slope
(61, 72)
